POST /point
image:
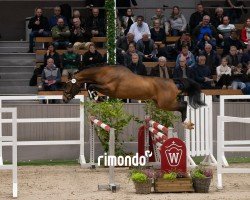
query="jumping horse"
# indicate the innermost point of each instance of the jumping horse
(119, 82)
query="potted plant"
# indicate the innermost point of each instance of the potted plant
(201, 176)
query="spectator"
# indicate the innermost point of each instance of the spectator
(225, 28)
(176, 23)
(123, 42)
(182, 70)
(56, 16)
(160, 16)
(147, 47)
(51, 53)
(207, 39)
(197, 17)
(77, 14)
(92, 56)
(95, 24)
(79, 34)
(157, 33)
(126, 4)
(212, 58)
(51, 76)
(70, 61)
(238, 78)
(139, 28)
(203, 74)
(168, 52)
(130, 51)
(185, 40)
(245, 32)
(217, 19)
(233, 57)
(161, 69)
(60, 34)
(246, 56)
(136, 66)
(236, 10)
(97, 4)
(204, 27)
(223, 72)
(189, 57)
(232, 41)
(127, 20)
(39, 26)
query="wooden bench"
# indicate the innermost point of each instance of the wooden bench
(239, 27)
(153, 64)
(60, 52)
(99, 39)
(172, 39)
(43, 40)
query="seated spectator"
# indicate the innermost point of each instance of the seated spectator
(77, 14)
(39, 26)
(96, 24)
(223, 72)
(207, 39)
(51, 53)
(70, 61)
(233, 58)
(203, 74)
(197, 17)
(130, 51)
(246, 56)
(245, 32)
(161, 69)
(79, 34)
(119, 28)
(123, 42)
(60, 34)
(182, 70)
(127, 20)
(225, 28)
(51, 76)
(168, 52)
(56, 16)
(92, 56)
(212, 58)
(136, 66)
(177, 23)
(139, 28)
(232, 41)
(158, 16)
(98, 4)
(185, 40)
(239, 77)
(125, 4)
(217, 19)
(204, 27)
(157, 33)
(190, 59)
(147, 47)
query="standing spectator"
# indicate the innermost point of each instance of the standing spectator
(56, 16)
(217, 19)
(123, 42)
(159, 16)
(127, 20)
(223, 72)
(185, 40)
(39, 26)
(203, 28)
(95, 24)
(136, 66)
(161, 69)
(203, 74)
(225, 28)
(157, 33)
(60, 34)
(182, 70)
(147, 47)
(197, 17)
(232, 41)
(79, 34)
(51, 76)
(212, 58)
(126, 4)
(233, 58)
(139, 28)
(130, 51)
(70, 61)
(189, 57)
(176, 23)
(245, 32)
(92, 56)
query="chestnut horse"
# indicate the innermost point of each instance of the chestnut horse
(119, 82)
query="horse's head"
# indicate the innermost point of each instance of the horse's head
(71, 89)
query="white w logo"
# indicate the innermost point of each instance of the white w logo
(174, 158)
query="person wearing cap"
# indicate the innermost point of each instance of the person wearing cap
(70, 61)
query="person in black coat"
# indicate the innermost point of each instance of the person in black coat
(126, 4)
(98, 4)
(232, 41)
(92, 56)
(39, 26)
(157, 33)
(136, 66)
(183, 71)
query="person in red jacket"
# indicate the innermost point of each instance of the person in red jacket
(245, 33)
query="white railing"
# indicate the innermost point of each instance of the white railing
(13, 140)
(232, 145)
(79, 119)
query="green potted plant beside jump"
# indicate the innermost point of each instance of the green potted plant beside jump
(201, 176)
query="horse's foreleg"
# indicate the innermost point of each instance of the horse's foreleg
(92, 88)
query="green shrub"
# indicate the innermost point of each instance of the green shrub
(139, 177)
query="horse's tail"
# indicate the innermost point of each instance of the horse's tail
(193, 91)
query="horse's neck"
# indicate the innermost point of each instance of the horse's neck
(85, 76)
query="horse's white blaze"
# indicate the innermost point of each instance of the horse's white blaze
(73, 81)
